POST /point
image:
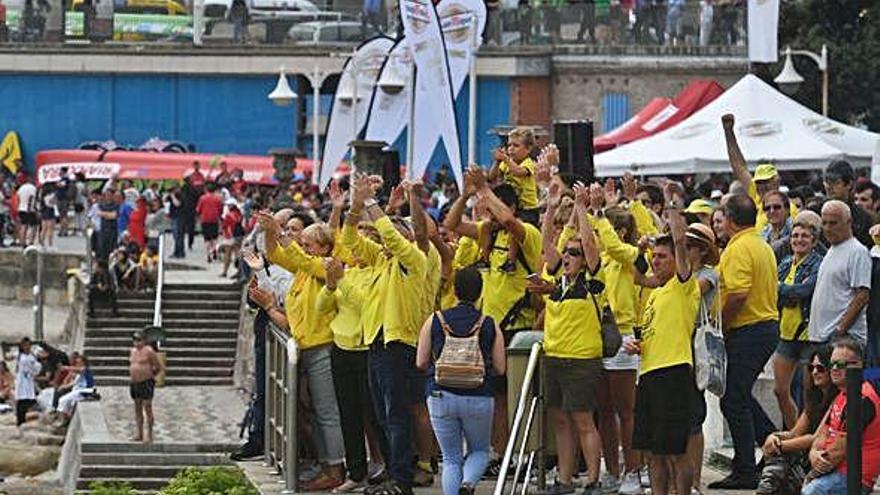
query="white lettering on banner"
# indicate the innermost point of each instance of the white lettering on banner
(91, 170)
(661, 117)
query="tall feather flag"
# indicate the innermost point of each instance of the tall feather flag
(763, 30)
(361, 69)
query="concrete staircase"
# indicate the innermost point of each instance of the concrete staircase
(147, 467)
(201, 325)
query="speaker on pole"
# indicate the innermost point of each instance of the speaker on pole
(574, 138)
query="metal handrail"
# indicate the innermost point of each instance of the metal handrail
(282, 358)
(160, 281)
(517, 421)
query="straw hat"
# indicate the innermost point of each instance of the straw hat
(702, 232)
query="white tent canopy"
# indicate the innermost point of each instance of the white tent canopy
(769, 127)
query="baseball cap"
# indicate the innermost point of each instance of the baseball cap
(700, 206)
(765, 171)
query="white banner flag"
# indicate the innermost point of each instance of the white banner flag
(763, 30)
(434, 109)
(389, 113)
(364, 66)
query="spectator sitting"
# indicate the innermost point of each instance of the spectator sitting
(786, 451)
(131, 246)
(123, 269)
(148, 268)
(82, 381)
(7, 384)
(102, 288)
(828, 452)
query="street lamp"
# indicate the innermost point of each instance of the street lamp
(789, 80)
(284, 96)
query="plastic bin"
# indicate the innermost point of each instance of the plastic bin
(517, 360)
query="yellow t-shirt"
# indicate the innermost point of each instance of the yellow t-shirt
(501, 290)
(571, 323)
(344, 306)
(748, 265)
(618, 260)
(761, 220)
(669, 324)
(526, 187)
(790, 317)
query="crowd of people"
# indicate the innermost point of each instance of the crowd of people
(402, 310)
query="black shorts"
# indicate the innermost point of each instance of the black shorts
(209, 231)
(572, 384)
(47, 214)
(78, 208)
(28, 218)
(663, 410)
(142, 390)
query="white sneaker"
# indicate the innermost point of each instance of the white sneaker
(609, 483)
(631, 484)
(644, 478)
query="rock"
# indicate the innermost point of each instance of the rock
(26, 459)
(16, 485)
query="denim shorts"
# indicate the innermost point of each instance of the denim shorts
(795, 350)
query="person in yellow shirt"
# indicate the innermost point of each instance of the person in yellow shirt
(766, 177)
(573, 343)
(664, 401)
(797, 274)
(750, 321)
(313, 335)
(392, 315)
(516, 168)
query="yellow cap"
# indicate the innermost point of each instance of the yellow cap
(765, 171)
(700, 206)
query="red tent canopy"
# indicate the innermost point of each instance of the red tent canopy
(146, 165)
(660, 114)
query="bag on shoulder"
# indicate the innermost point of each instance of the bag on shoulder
(460, 364)
(710, 355)
(611, 338)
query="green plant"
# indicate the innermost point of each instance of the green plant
(111, 488)
(210, 481)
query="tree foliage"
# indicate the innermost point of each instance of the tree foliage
(851, 31)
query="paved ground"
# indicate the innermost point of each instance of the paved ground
(183, 414)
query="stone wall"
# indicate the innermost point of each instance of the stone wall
(18, 274)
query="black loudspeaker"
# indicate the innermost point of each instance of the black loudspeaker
(574, 138)
(390, 170)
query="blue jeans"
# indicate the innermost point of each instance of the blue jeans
(748, 349)
(460, 416)
(177, 230)
(391, 369)
(831, 484)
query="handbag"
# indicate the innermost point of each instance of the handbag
(611, 338)
(710, 355)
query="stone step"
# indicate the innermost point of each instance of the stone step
(146, 448)
(170, 304)
(170, 381)
(173, 362)
(200, 294)
(173, 371)
(136, 483)
(225, 286)
(198, 333)
(178, 341)
(176, 321)
(127, 472)
(183, 352)
(155, 459)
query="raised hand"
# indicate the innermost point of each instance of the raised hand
(555, 196)
(597, 196)
(335, 272)
(397, 198)
(253, 260)
(267, 222)
(337, 195)
(630, 186)
(728, 121)
(610, 192)
(582, 194)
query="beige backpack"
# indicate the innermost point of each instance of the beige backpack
(460, 364)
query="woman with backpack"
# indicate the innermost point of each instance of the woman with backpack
(462, 349)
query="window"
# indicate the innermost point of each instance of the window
(615, 110)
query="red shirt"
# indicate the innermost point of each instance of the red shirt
(230, 220)
(870, 436)
(209, 208)
(136, 224)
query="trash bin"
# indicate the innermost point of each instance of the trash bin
(517, 361)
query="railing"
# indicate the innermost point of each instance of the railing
(160, 282)
(534, 404)
(694, 23)
(282, 357)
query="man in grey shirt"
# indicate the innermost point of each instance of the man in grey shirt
(844, 281)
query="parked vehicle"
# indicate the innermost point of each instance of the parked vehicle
(329, 32)
(165, 7)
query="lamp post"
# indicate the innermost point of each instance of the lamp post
(284, 96)
(789, 80)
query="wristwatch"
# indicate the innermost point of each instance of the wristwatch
(370, 202)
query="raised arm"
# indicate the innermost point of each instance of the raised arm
(417, 212)
(454, 221)
(499, 210)
(734, 153)
(585, 229)
(549, 250)
(337, 200)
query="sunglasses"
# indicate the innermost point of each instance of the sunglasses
(817, 368)
(573, 251)
(842, 365)
(768, 208)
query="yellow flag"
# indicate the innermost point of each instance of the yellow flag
(10, 152)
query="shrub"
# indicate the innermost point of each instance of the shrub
(210, 481)
(111, 488)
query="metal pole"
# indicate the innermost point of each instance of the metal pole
(354, 108)
(37, 290)
(854, 431)
(472, 94)
(291, 448)
(411, 123)
(317, 81)
(825, 92)
(268, 396)
(89, 258)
